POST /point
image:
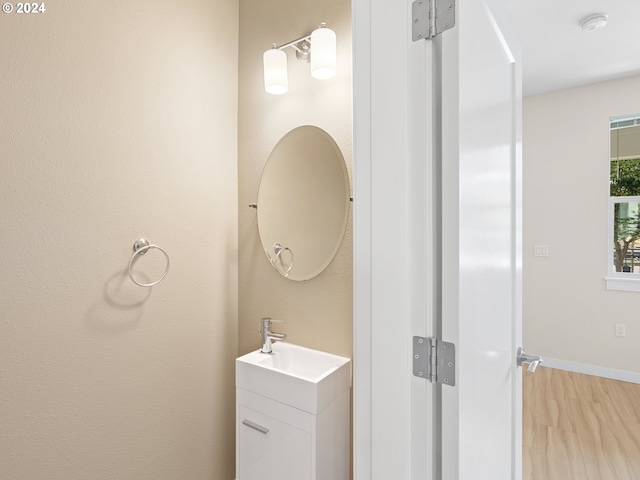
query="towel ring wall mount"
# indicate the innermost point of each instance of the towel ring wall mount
(140, 247)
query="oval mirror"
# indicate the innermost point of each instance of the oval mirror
(303, 203)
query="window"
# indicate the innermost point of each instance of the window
(624, 204)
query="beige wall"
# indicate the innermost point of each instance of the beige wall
(318, 312)
(118, 121)
(568, 313)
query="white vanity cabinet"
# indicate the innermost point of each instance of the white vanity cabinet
(272, 445)
(291, 437)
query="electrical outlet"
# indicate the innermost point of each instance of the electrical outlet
(621, 330)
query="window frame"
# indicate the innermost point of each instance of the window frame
(623, 281)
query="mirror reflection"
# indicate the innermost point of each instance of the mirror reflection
(303, 203)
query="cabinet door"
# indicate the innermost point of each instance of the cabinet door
(270, 449)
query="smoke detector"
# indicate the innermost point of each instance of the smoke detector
(594, 22)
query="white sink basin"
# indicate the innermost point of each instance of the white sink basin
(297, 376)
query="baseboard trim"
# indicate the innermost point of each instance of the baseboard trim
(597, 371)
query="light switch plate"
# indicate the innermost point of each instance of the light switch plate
(541, 250)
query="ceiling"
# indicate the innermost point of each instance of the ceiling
(556, 52)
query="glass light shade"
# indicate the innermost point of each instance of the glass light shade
(323, 53)
(275, 71)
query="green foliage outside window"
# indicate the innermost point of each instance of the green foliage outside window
(625, 178)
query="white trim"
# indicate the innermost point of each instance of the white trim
(362, 255)
(612, 373)
(383, 423)
(421, 212)
(623, 284)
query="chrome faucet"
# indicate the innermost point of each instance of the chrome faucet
(269, 337)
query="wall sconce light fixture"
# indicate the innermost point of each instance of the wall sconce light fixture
(318, 48)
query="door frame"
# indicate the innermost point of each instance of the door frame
(393, 213)
(392, 249)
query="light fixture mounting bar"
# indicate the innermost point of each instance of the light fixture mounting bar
(293, 43)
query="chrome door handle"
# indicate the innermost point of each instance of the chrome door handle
(533, 360)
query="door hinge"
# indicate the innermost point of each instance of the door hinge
(435, 360)
(431, 17)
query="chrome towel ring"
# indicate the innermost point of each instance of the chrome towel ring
(140, 247)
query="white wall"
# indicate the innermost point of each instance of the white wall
(568, 314)
(318, 312)
(118, 121)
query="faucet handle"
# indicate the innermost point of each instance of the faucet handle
(266, 321)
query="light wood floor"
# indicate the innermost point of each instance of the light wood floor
(580, 427)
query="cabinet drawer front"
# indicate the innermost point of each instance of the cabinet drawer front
(270, 449)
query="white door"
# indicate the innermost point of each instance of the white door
(481, 256)
(437, 243)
